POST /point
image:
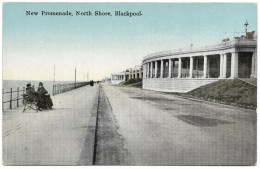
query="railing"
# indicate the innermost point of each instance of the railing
(61, 88)
(14, 97)
(201, 48)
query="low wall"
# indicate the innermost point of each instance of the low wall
(115, 82)
(182, 85)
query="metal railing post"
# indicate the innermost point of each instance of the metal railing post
(2, 100)
(17, 96)
(11, 99)
(53, 90)
(23, 94)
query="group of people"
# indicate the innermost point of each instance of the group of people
(41, 97)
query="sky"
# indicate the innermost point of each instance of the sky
(101, 45)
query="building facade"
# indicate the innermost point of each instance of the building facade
(183, 70)
(117, 78)
(136, 72)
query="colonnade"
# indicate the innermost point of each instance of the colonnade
(118, 77)
(150, 68)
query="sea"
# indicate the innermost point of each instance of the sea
(14, 84)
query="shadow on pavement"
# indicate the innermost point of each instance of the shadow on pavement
(201, 121)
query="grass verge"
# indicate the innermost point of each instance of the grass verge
(231, 92)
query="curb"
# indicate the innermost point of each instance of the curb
(87, 156)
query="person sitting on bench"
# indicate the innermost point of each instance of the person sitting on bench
(43, 93)
(33, 96)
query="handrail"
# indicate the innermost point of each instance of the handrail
(12, 98)
(235, 42)
(61, 88)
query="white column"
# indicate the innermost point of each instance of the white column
(170, 68)
(220, 65)
(145, 70)
(254, 65)
(234, 65)
(191, 66)
(161, 69)
(205, 67)
(151, 70)
(143, 66)
(148, 70)
(179, 69)
(224, 70)
(155, 72)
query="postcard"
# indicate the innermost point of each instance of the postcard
(129, 84)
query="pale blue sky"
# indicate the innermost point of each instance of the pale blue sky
(103, 45)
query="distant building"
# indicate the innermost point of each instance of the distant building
(117, 78)
(136, 72)
(183, 70)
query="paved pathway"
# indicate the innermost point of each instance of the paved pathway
(135, 127)
(53, 137)
(162, 129)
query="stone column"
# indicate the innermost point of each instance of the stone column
(145, 71)
(151, 70)
(155, 72)
(191, 66)
(179, 69)
(148, 70)
(161, 69)
(170, 68)
(224, 70)
(205, 66)
(234, 65)
(221, 66)
(143, 66)
(254, 65)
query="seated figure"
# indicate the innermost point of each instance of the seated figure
(32, 95)
(45, 97)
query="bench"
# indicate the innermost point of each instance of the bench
(28, 104)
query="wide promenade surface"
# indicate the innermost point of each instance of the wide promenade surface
(163, 129)
(50, 137)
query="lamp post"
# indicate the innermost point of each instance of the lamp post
(245, 25)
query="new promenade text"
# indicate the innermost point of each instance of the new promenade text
(85, 13)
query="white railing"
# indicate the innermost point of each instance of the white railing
(202, 48)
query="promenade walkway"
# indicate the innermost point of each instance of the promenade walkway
(164, 129)
(51, 137)
(116, 125)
